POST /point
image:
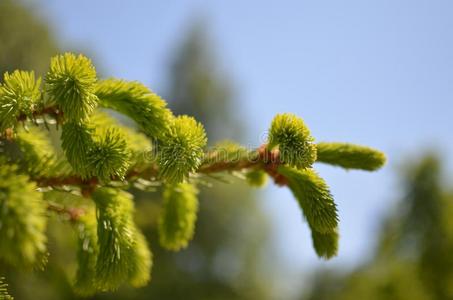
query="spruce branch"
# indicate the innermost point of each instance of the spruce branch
(103, 158)
(225, 157)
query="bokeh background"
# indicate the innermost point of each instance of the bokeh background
(377, 73)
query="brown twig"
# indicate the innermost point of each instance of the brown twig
(271, 160)
(50, 110)
(265, 160)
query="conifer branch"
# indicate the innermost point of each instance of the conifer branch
(102, 158)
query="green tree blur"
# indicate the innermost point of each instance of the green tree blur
(413, 259)
(25, 40)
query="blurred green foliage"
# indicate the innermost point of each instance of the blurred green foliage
(413, 259)
(199, 87)
(25, 40)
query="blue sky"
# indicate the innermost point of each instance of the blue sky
(378, 73)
